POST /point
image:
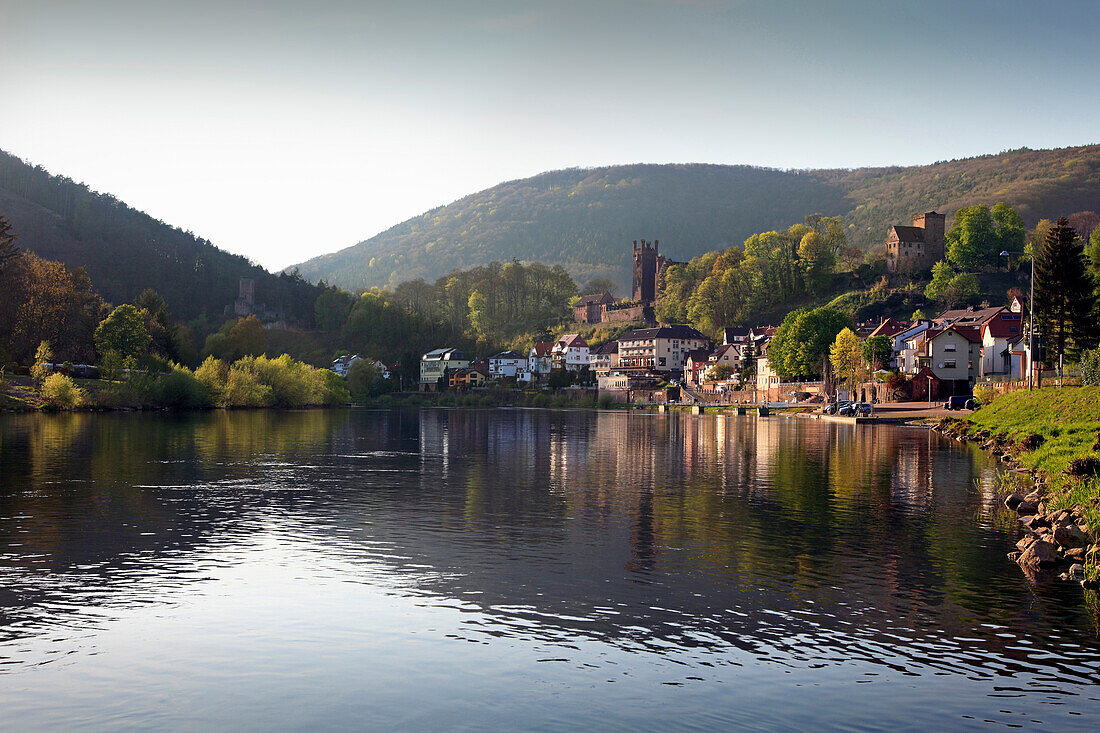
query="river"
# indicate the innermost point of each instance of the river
(532, 569)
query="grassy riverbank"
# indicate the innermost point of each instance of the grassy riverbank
(1067, 422)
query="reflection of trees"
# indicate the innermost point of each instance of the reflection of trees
(699, 530)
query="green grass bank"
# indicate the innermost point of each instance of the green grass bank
(1068, 423)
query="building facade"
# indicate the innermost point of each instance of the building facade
(662, 349)
(436, 364)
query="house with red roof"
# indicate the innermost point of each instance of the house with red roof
(1002, 349)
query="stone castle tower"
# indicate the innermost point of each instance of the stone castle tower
(913, 249)
(647, 269)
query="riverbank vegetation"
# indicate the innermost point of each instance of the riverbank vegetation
(1057, 433)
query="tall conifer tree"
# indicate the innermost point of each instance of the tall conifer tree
(1063, 291)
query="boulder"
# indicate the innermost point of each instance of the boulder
(1025, 542)
(1026, 507)
(1070, 535)
(1033, 496)
(1038, 553)
(1013, 500)
(1033, 523)
(1013, 556)
(1074, 554)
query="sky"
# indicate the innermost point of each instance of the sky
(283, 130)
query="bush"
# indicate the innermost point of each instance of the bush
(180, 389)
(984, 394)
(606, 401)
(1090, 367)
(61, 393)
(244, 387)
(540, 400)
(213, 374)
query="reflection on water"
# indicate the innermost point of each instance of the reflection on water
(519, 568)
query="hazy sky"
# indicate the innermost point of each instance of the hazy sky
(281, 130)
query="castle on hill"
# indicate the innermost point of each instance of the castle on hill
(916, 248)
(645, 289)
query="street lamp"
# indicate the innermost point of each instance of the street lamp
(1031, 317)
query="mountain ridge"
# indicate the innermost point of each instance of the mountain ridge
(585, 218)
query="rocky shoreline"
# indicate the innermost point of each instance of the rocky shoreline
(1055, 537)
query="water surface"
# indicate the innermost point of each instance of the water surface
(526, 569)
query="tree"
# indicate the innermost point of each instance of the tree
(801, 343)
(1093, 254)
(877, 351)
(598, 285)
(237, 339)
(720, 372)
(42, 356)
(1009, 227)
(846, 355)
(951, 288)
(365, 379)
(972, 241)
(1064, 298)
(123, 332)
(479, 312)
(9, 253)
(330, 310)
(817, 262)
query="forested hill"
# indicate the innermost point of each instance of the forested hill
(126, 251)
(585, 219)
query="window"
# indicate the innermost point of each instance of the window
(949, 347)
(949, 364)
(661, 361)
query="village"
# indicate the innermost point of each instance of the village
(926, 359)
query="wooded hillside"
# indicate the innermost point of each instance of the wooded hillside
(125, 251)
(585, 219)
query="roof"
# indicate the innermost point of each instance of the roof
(611, 347)
(968, 316)
(890, 328)
(596, 298)
(444, 354)
(542, 348)
(508, 355)
(735, 332)
(721, 350)
(676, 331)
(968, 333)
(1004, 325)
(698, 355)
(907, 233)
(572, 340)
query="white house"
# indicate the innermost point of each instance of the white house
(342, 364)
(570, 353)
(1000, 335)
(507, 364)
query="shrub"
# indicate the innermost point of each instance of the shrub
(1087, 466)
(1032, 441)
(606, 401)
(61, 393)
(244, 386)
(540, 400)
(1090, 367)
(984, 393)
(213, 374)
(180, 389)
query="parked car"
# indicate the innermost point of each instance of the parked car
(834, 408)
(863, 409)
(961, 402)
(848, 408)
